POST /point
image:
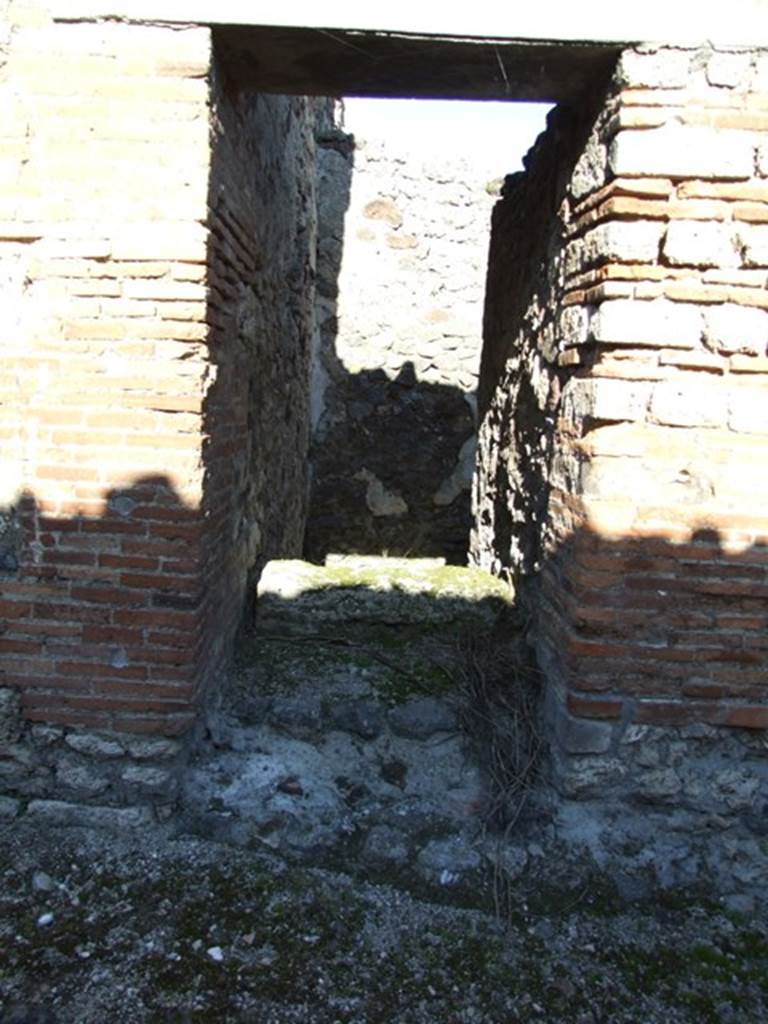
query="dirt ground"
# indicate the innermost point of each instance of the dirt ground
(148, 928)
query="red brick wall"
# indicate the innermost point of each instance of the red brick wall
(153, 387)
(103, 379)
(262, 219)
(157, 251)
(649, 550)
(667, 590)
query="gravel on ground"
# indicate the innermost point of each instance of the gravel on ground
(150, 927)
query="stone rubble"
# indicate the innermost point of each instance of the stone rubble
(351, 757)
(345, 741)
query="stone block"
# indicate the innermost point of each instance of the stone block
(658, 786)
(155, 240)
(702, 244)
(624, 241)
(145, 748)
(383, 208)
(585, 777)
(590, 171)
(575, 258)
(605, 399)
(616, 241)
(728, 69)
(151, 288)
(737, 788)
(380, 500)
(573, 329)
(94, 746)
(10, 715)
(732, 328)
(683, 151)
(148, 778)
(755, 241)
(648, 755)
(17, 753)
(581, 735)
(689, 403)
(748, 411)
(61, 813)
(654, 69)
(83, 781)
(605, 478)
(658, 322)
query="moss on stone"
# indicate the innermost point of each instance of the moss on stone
(378, 590)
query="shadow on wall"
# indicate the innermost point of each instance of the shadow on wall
(104, 617)
(391, 457)
(643, 727)
(260, 309)
(657, 632)
(104, 627)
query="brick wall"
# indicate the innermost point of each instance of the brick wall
(156, 264)
(157, 242)
(103, 249)
(643, 359)
(261, 292)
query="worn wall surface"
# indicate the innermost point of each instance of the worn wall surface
(260, 294)
(402, 249)
(624, 416)
(103, 251)
(520, 379)
(103, 372)
(153, 403)
(154, 388)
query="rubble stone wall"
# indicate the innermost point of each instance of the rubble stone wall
(402, 250)
(623, 422)
(64, 776)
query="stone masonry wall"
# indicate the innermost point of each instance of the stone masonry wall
(643, 430)
(402, 249)
(153, 408)
(520, 376)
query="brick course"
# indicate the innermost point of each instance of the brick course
(649, 534)
(102, 363)
(142, 395)
(156, 269)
